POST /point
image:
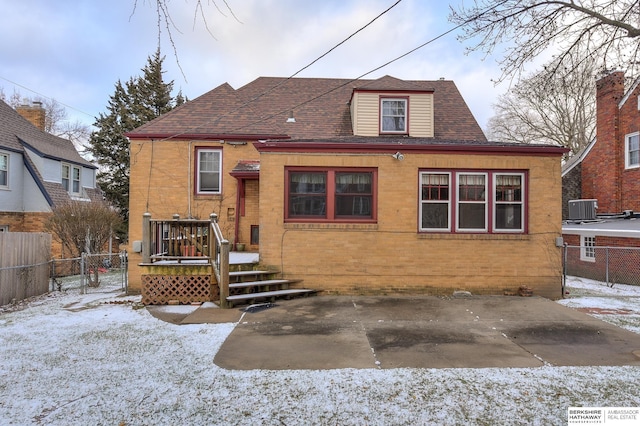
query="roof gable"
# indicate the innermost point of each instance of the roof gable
(16, 132)
(320, 107)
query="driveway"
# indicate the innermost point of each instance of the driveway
(329, 332)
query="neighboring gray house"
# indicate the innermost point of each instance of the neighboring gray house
(38, 171)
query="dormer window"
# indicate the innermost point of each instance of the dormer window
(393, 115)
(71, 179)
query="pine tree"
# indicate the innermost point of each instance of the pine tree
(138, 101)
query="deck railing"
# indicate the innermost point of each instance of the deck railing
(188, 241)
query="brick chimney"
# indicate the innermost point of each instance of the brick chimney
(35, 113)
(601, 169)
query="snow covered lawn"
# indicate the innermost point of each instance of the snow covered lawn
(83, 359)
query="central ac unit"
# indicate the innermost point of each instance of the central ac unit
(583, 209)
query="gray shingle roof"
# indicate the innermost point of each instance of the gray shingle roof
(16, 132)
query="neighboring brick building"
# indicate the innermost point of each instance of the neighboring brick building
(37, 172)
(356, 186)
(608, 171)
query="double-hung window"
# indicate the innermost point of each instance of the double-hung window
(508, 209)
(436, 201)
(472, 201)
(71, 179)
(330, 195)
(393, 115)
(632, 150)
(587, 248)
(209, 171)
(4, 170)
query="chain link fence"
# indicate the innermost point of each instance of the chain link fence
(611, 265)
(91, 273)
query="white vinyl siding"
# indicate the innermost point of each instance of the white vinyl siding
(421, 115)
(365, 119)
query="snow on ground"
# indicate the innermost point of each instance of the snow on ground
(100, 358)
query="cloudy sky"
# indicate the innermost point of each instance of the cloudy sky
(74, 51)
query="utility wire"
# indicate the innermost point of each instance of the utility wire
(445, 33)
(255, 98)
(47, 97)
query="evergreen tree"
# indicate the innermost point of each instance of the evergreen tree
(138, 101)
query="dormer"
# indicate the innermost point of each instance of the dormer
(392, 107)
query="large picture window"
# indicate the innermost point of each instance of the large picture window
(461, 201)
(393, 115)
(632, 150)
(209, 171)
(331, 195)
(4, 170)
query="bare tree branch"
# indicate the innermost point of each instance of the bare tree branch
(560, 111)
(603, 29)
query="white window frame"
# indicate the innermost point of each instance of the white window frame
(484, 202)
(627, 150)
(509, 202)
(72, 181)
(200, 151)
(5, 185)
(588, 248)
(405, 101)
(424, 202)
(490, 201)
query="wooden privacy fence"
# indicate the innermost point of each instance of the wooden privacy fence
(24, 265)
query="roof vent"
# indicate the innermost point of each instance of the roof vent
(583, 209)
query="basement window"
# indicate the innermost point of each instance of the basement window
(587, 248)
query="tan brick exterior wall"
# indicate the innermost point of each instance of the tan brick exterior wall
(166, 187)
(391, 256)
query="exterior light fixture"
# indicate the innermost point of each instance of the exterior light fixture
(398, 156)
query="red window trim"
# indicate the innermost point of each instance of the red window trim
(331, 195)
(196, 169)
(406, 118)
(490, 202)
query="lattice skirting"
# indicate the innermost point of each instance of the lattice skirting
(161, 289)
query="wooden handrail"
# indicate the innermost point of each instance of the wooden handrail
(220, 260)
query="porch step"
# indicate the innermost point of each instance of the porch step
(269, 295)
(239, 276)
(266, 284)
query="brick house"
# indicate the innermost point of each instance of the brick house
(38, 171)
(607, 171)
(356, 187)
